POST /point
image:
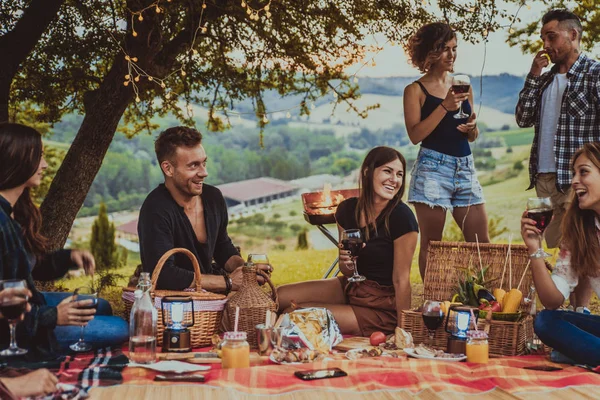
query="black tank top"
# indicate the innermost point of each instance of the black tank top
(445, 138)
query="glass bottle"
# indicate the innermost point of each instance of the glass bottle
(144, 283)
(478, 349)
(235, 350)
(142, 329)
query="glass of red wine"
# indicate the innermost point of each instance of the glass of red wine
(81, 294)
(432, 317)
(353, 242)
(540, 210)
(12, 307)
(461, 84)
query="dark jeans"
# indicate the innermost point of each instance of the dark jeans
(576, 335)
(104, 330)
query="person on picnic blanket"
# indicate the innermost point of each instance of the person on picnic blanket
(575, 335)
(443, 178)
(186, 212)
(389, 230)
(563, 104)
(54, 321)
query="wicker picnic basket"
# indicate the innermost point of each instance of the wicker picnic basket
(445, 263)
(253, 303)
(208, 307)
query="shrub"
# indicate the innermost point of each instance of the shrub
(293, 213)
(302, 240)
(518, 166)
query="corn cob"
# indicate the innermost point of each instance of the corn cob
(512, 301)
(499, 295)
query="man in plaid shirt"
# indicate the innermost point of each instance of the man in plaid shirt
(563, 105)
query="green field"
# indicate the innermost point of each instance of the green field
(515, 137)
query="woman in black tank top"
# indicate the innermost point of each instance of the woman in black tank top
(443, 177)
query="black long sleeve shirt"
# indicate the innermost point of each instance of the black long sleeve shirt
(36, 332)
(163, 225)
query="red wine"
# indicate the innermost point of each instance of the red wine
(353, 245)
(459, 89)
(542, 217)
(432, 321)
(13, 308)
(94, 304)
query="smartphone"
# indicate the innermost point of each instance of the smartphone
(180, 378)
(546, 368)
(320, 374)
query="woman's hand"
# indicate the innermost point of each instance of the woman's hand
(69, 312)
(469, 127)
(453, 100)
(40, 382)
(530, 233)
(84, 259)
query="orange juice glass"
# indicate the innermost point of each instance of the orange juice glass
(477, 347)
(235, 351)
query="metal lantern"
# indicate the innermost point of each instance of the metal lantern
(457, 325)
(177, 312)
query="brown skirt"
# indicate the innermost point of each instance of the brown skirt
(374, 305)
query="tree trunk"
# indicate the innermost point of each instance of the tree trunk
(104, 109)
(18, 43)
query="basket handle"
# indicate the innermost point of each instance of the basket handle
(165, 257)
(273, 290)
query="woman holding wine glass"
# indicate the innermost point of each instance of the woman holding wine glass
(575, 335)
(24, 256)
(378, 237)
(438, 114)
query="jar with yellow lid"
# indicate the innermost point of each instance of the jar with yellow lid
(235, 350)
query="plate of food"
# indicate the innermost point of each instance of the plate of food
(368, 352)
(428, 353)
(295, 356)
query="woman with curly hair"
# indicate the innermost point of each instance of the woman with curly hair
(575, 335)
(443, 177)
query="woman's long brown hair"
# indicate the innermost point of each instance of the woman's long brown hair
(20, 155)
(579, 233)
(377, 157)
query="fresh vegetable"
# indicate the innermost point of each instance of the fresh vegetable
(469, 285)
(377, 338)
(512, 301)
(499, 295)
(485, 294)
(492, 306)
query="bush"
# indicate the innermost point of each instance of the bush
(302, 240)
(295, 228)
(276, 216)
(518, 166)
(509, 149)
(293, 213)
(279, 246)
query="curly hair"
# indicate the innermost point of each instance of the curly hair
(170, 139)
(425, 47)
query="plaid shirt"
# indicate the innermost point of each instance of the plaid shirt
(579, 120)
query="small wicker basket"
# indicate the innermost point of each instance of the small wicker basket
(253, 303)
(445, 260)
(208, 307)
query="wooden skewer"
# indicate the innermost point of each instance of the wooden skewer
(480, 261)
(524, 272)
(509, 269)
(505, 260)
(279, 321)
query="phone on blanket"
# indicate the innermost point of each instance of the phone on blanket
(546, 368)
(320, 374)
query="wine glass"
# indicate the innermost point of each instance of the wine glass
(461, 84)
(352, 241)
(540, 210)
(432, 317)
(12, 307)
(260, 258)
(80, 294)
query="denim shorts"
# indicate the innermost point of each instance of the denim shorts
(441, 180)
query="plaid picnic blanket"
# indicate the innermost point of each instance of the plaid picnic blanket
(77, 373)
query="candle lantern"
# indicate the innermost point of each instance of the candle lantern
(457, 325)
(177, 318)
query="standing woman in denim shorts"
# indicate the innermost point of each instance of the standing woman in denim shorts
(443, 176)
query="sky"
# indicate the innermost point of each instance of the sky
(500, 58)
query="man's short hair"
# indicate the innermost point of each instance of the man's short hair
(170, 139)
(564, 16)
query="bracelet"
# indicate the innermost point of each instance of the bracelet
(535, 256)
(228, 283)
(442, 104)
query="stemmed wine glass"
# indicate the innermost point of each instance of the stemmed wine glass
(352, 241)
(81, 294)
(432, 317)
(461, 84)
(12, 307)
(540, 210)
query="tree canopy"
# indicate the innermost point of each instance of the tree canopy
(132, 59)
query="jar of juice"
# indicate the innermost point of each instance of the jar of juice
(235, 351)
(477, 347)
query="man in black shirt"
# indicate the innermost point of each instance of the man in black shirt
(185, 212)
